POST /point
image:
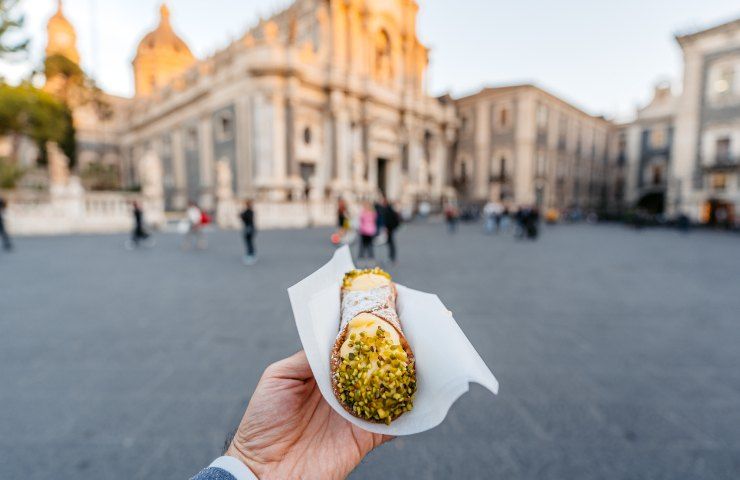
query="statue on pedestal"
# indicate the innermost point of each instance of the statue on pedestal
(67, 194)
(227, 215)
(152, 188)
(150, 171)
(58, 167)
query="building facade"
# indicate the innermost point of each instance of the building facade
(523, 145)
(705, 178)
(644, 155)
(324, 99)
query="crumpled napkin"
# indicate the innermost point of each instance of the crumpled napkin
(446, 362)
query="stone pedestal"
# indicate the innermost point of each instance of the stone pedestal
(227, 210)
(152, 189)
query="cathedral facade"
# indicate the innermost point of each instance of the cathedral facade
(325, 99)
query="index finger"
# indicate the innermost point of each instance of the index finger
(295, 367)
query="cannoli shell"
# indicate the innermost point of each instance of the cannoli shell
(351, 307)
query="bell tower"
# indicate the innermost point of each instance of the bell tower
(61, 37)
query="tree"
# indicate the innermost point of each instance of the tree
(9, 25)
(75, 88)
(28, 111)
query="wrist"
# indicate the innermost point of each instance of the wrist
(236, 451)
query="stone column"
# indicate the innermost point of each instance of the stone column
(244, 146)
(262, 126)
(482, 149)
(437, 165)
(329, 150)
(525, 137)
(291, 169)
(344, 146)
(279, 154)
(227, 208)
(341, 144)
(206, 165)
(685, 190)
(179, 200)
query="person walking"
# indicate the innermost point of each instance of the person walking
(489, 212)
(342, 222)
(531, 223)
(379, 219)
(392, 220)
(520, 231)
(250, 231)
(194, 234)
(451, 218)
(505, 219)
(139, 234)
(367, 230)
(7, 244)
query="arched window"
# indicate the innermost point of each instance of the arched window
(225, 126)
(383, 60)
(657, 174)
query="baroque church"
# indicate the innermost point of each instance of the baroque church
(325, 99)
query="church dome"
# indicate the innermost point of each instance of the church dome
(160, 56)
(163, 39)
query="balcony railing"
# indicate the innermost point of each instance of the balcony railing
(498, 178)
(721, 163)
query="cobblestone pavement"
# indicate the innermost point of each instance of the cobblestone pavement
(618, 353)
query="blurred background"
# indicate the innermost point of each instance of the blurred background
(566, 177)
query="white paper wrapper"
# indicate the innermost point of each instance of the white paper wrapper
(446, 362)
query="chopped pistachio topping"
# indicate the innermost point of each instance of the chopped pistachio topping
(352, 274)
(376, 380)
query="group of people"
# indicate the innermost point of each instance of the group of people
(373, 221)
(196, 219)
(527, 220)
(497, 218)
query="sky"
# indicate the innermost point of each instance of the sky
(602, 55)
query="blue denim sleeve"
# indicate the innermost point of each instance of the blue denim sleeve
(213, 474)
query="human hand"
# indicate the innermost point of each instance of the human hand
(289, 431)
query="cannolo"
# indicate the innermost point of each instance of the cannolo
(372, 366)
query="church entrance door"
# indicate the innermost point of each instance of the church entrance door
(382, 174)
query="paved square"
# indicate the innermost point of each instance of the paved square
(618, 352)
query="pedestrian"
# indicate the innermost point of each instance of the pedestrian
(194, 234)
(505, 219)
(368, 228)
(520, 218)
(250, 231)
(531, 223)
(379, 220)
(683, 222)
(451, 217)
(7, 244)
(392, 220)
(139, 233)
(489, 213)
(342, 222)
